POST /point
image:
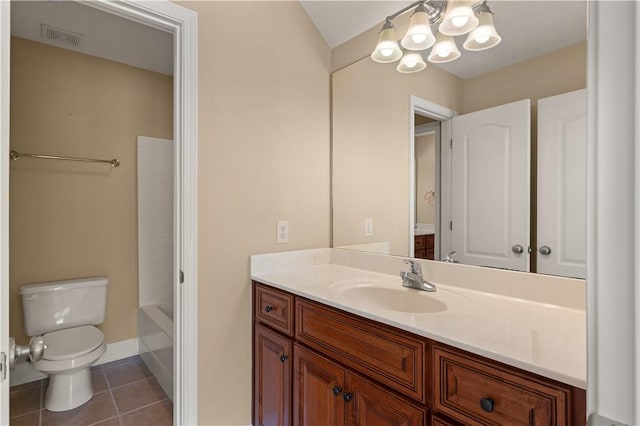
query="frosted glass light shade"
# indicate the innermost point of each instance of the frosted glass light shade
(445, 50)
(459, 18)
(387, 49)
(419, 35)
(484, 36)
(411, 61)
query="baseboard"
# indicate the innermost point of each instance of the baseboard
(119, 350)
(25, 373)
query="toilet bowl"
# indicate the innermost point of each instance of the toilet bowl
(67, 360)
(64, 314)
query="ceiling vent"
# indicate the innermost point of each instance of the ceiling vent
(63, 38)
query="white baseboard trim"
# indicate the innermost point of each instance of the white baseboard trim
(25, 373)
(119, 350)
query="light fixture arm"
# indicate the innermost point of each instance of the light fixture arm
(435, 9)
(482, 8)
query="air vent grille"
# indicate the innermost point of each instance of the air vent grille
(61, 37)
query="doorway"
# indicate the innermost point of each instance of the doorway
(180, 23)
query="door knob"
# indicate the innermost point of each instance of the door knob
(33, 352)
(517, 249)
(545, 250)
(336, 390)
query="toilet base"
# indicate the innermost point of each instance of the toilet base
(67, 391)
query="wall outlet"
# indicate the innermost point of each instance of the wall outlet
(368, 227)
(282, 232)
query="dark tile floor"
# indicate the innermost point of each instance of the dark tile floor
(125, 394)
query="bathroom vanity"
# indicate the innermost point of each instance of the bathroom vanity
(335, 344)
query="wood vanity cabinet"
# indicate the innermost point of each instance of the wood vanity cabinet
(317, 365)
(423, 247)
(329, 394)
(272, 356)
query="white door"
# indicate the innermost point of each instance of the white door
(490, 164)
(562, 180)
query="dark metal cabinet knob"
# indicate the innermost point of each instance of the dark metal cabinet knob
(283, 358)
(268, 308)
(336, 390)
(347, 396)
(487, 404)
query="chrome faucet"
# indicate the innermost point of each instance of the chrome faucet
(414, 278)
(449, 258)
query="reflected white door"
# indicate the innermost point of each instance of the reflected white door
(562, 179)
(490, 186)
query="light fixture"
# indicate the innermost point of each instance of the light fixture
(387, 49)
(445, 50)
(411, 61)
(455, 17)
(459, 18)
(419, 35)
(484, 36)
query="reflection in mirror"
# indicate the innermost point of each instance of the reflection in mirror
(376, 161)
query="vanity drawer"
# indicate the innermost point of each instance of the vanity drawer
(274, 308)
(473, 391)
(394, 358)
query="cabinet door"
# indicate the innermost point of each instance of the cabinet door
(318, 389)
(272, 381)
(368, 404)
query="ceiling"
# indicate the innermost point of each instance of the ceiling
(528, 28)
(103, 35)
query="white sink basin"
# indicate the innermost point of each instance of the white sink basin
(396, 298)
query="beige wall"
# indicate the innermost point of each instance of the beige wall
(551, 74)
(68, 219)
(265, 60)
(425, 177)
(371, 147)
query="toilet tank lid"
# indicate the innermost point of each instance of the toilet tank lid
(55, 285)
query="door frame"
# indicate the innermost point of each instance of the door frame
(444, 115)
(182, 23)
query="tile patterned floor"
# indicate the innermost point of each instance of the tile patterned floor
(125, 394)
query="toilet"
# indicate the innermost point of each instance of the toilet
(64, 313)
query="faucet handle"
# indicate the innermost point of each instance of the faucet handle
(415, 266)
(449, 257)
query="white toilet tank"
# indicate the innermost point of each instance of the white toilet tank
(57, 305)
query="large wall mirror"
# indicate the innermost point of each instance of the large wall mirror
(395, 177)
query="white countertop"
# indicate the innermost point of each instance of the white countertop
(544, 338)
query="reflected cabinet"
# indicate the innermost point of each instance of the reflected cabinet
(317, 365)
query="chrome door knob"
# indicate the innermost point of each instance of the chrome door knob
(34, 352)
(545, 250)
(517, 249)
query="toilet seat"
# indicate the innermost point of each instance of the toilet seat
(72, 342)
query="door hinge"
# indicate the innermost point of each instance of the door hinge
(181, 277)
(450, 225)
(451, 143)
(3, 366)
